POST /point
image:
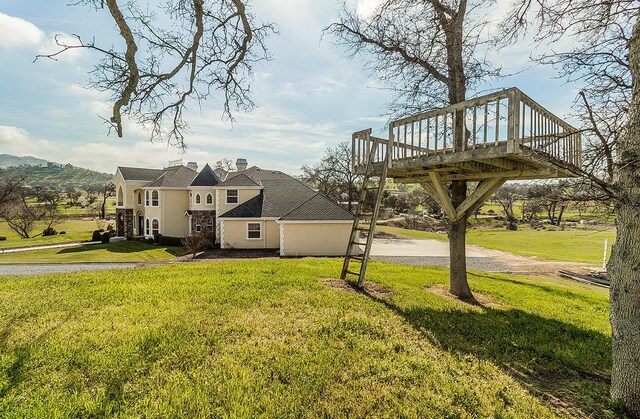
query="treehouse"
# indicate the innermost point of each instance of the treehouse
(487, 140)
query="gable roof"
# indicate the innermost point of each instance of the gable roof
(318, 207)
(281, 196)
(138, 173)
(174, 177)
(239, 179)
(206, 177)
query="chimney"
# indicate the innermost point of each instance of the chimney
(241, 164)
(193, 165)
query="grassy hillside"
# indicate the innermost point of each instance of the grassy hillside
(59, 177)
(8, 160)
(269, 338)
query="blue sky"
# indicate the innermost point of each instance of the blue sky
(309, 97)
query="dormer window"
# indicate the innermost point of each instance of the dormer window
(209, 199)
(146, 198)
(197, 198)
(232, 196)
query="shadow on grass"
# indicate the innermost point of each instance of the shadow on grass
(564, 365)
(123, 247)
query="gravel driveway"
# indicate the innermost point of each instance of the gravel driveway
(49, 268)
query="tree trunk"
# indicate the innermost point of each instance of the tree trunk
(624, 265)
(458, 284)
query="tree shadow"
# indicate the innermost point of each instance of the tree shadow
(122, 247)
(564, 365)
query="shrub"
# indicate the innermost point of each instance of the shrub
(49, 231)
(512, 226)
(2, 238)
(97, 236)
(149, 240)
(62, 232)
(106, 237)
(169, 241)
(111, 227)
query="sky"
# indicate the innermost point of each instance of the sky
(310, 96)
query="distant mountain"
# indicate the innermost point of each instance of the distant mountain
(8, 160)
(51, 175)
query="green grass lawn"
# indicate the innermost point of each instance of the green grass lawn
(127, 251)
(584, 246)
(76, 231)
(268, 338)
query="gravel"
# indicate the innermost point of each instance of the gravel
(479, 263)
(48, 268)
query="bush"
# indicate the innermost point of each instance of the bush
(106, 237)
(168, 241)
(512, 226)
(2, 238)
(97, 236)
(62, 232)
(149, 240)
(49, 231)
(111, 227)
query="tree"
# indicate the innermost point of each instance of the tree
(226, 165)
(106, 191)
(181, 51)
(73, 195)
(427, 50)
(334, 175)
(22, 217)
(50, 196)
(9, 187)
(196, 242)
(506, 196)
(605, 58)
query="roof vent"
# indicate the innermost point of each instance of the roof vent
(193, 165)
(241, 164)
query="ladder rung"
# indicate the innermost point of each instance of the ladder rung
(359, 243)
(352, 273)
(371, 188)
(357, 257)
(362, 228)
(366, 214)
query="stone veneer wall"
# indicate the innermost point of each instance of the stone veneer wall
(124, 222)
(202, 218)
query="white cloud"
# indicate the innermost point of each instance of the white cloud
(365, 8)
(15, 140)
(16, 32)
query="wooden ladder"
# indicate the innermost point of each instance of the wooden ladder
(352, 257)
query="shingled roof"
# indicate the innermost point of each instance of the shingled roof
(281, 195)
(206, 177)
(318, 207)
(174, 177)
(240, 179)
(138, 173)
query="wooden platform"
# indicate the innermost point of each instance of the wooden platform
(504, 135)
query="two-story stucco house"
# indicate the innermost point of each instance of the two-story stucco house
(246, 209)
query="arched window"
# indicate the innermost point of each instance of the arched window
(146, 223)
(197, 198)
(139, 198)
(155, 227)
(146, 198)
(120, 196)
(209, 199)
(154, 198)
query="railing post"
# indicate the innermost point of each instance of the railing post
(390, 143)
(513, 122)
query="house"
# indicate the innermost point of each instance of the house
(249, 208)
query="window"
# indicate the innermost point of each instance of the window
(210, 224)
(209, 199)
(253, 231)
(155, 227)
(197, 198)
(154, 198)
(146, 223)
(139, 198)
(198, 228)
(232, 196)
(146, 198)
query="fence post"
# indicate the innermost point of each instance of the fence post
(513, 122)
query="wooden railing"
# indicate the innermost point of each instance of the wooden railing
(507, 117)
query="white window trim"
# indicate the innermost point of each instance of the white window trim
(254, 238)
(139, 198)
(198, 228)
(206, 200)
(226, 196)
(158, 203)
(197, 200)
(147, 226)
(147, 200)
(155, 219)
